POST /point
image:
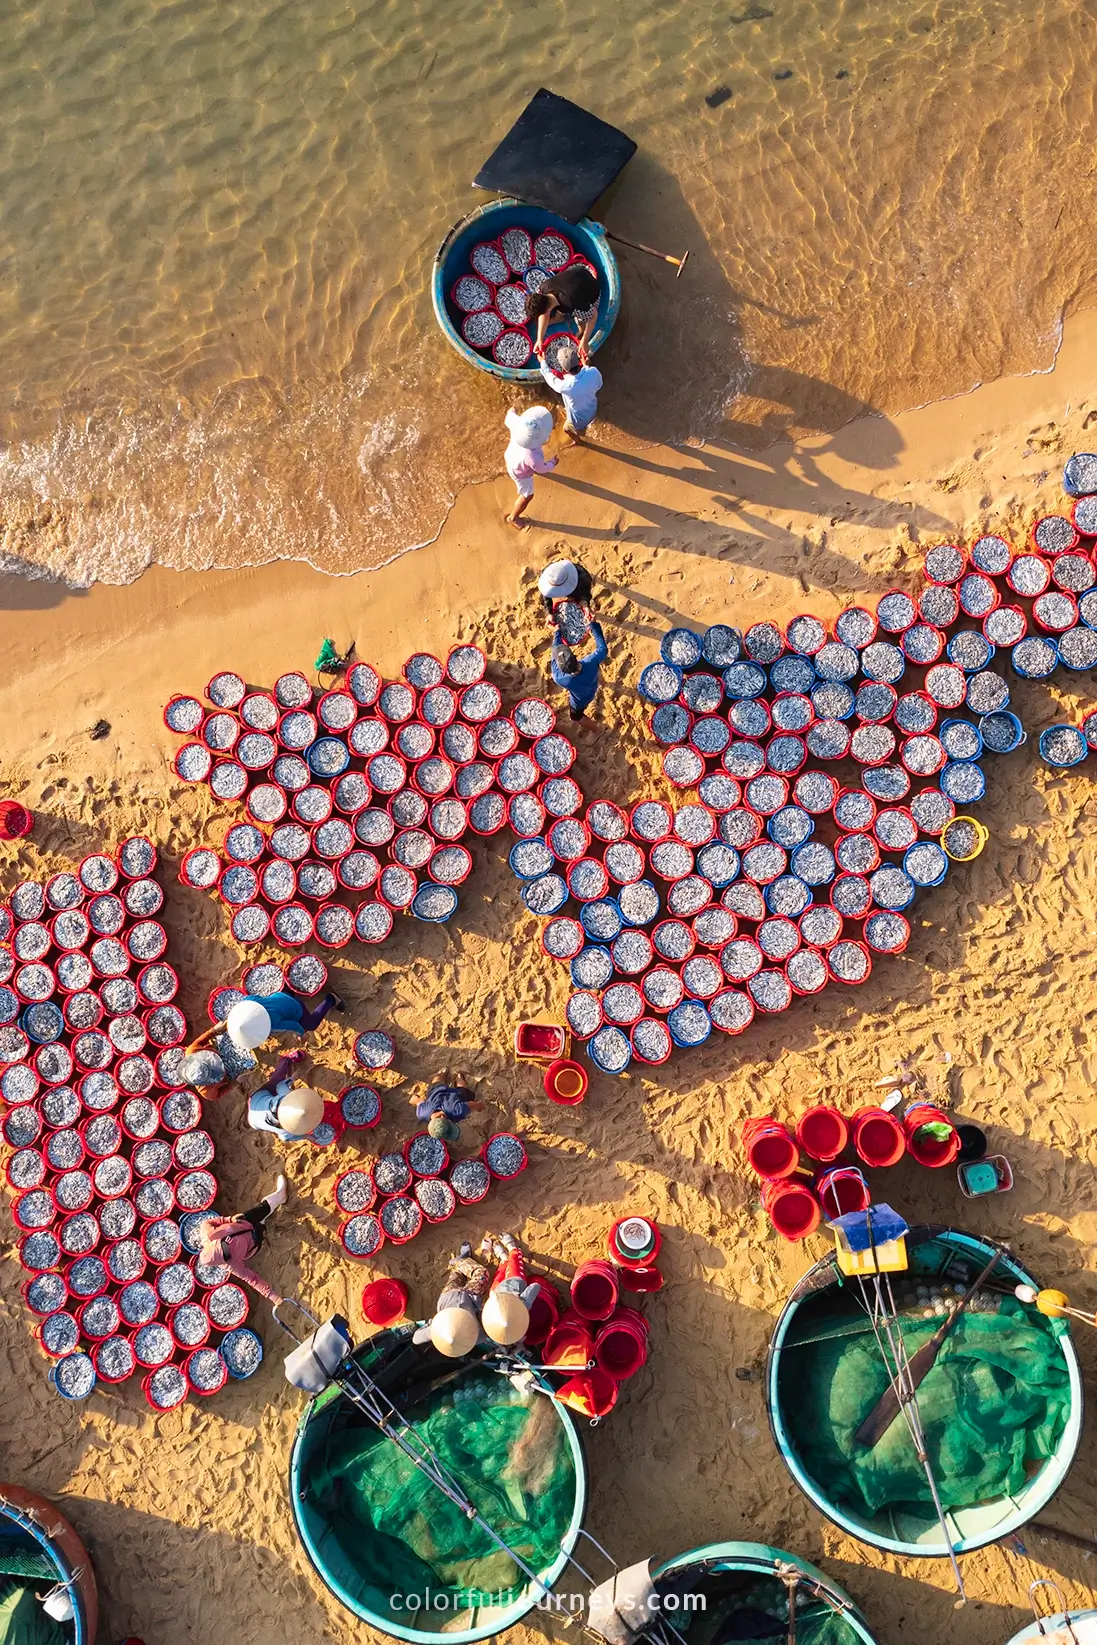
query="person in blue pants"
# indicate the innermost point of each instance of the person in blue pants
(287, 1014)
(579, 678)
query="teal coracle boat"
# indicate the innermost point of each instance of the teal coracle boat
(728, 1591)
(388, 1541)
(1001, 1407)
(488, 222)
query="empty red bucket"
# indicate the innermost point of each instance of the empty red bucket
(842, 1189)
(878, 1137)
(15, 820)
(544, 1312)
(771, 1148)
(384, 1301)
(569, 1345)
(922, 1145)
(792, 1208)
(595, 1289)
(822, 1133)
(620, 1348)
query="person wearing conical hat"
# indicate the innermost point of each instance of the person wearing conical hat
(286, 1107)
(564, 580)
(525, 456)
(454, 1328)
(505, 1314)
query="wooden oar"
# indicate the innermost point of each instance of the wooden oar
(664, 257)
(887, 1407)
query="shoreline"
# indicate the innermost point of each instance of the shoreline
(989, 999)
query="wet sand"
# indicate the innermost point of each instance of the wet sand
(187, 1515)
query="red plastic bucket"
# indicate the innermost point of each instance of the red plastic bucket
(878, 1137)
(933, 1152)
(620, 1348)
(822, 1132)
(595, 1289)
(569, 1345)
(592, 1393)
(544, 1313)
(566, 1082)
(384, 1301)
(771, 1148)
(15, 820)
(792, 1208)
(842, 1189)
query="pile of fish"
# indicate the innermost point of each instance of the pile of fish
(823, 772)
(356, 800)
(107, 1155)
(392, 1197)
(489, 299)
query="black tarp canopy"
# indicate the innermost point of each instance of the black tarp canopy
(557, 156)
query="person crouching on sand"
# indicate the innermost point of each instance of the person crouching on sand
(525, 456)
(232, 1240)
(577, 385)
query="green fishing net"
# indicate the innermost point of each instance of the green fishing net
(993, 1408)
(739, 1608)
(510, 1455)
(22, 1619)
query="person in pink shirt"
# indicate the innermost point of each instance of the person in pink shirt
(232, 1240)
(525, 456)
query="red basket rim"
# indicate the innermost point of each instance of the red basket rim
(169, 1321)
(949, 582)
(27, 1283)
(327, 942)
(203, 1393)
(266, 897)
(146, 1388)
(359, 1256)
(899, 947)
(514, 1138)
(652, 1062)
(293, 748)
(217, 750)
(926, 698)
(1054, 553)
(675, 919)
(294, 942)
(643, 838)
(621, 812)
(432, 794)
(486, 833)
(857, 944)
(574, 1032)
(353, 851)
(1047, 628)
(470, 273)
(402, 1239)
(906, 812)
(102, 1375)
(193, 852)
(508, 330)
(675, 968)
(118, 859)
(376, 902)
(421, 725)
(425, 1175)
(439, 726)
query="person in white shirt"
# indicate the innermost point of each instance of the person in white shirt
(577, 385)
(525, 456)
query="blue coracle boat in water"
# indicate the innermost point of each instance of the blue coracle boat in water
(488, 222)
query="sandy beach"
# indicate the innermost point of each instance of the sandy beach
(187, 1514)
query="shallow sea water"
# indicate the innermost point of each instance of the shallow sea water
(216, 339)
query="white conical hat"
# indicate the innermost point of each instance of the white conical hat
(248, 1024)
(454, 1332)
(558, 580)
(505, 1318)
(530, 429)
